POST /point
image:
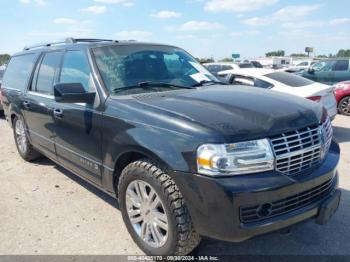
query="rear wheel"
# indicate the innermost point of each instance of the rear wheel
(344, 106)
(25, 149)
(154, 211)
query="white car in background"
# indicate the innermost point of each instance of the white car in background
(286, 83)
(304, 65)
(214, 68)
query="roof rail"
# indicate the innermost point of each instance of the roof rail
(69, 40)
(76, 40)
(46, 44)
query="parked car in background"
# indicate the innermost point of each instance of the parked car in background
(286, 83)
(342, 94)
(256, 64)
(2, 70)
(185, 155)
(304, 65)
(214, 68)
(329, 71)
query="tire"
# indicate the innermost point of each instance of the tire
(181, 237)
(343, 106)
(24, 148)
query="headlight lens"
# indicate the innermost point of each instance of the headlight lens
(235, 159)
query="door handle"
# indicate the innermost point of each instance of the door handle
(26, 104)
(58, 113)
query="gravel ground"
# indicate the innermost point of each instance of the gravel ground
(45, 209)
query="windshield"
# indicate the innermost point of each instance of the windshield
(125, 66)
(289, 79)
(323, 66)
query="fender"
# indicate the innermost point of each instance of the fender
(172, 154)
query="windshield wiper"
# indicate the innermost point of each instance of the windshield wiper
(208, 82)
(150, 84)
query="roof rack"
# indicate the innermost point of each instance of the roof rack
(69, 40)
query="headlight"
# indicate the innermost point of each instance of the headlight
(235, 159)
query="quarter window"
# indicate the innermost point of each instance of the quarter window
(18, 71)
(76, 69)
(46, 75)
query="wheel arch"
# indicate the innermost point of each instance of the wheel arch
(131, 155)
(345, 96)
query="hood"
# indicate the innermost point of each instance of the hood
(237, 112)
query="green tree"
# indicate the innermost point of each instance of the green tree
(276, 53)
(322, 56)
(226, 59)
(4, 58)
(298, 55)
(343, 53)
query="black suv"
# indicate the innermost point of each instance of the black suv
(185, 155)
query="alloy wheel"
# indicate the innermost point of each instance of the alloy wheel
(147, 213)
(345, 106)
(21, 137)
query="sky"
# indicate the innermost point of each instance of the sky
(205, 28)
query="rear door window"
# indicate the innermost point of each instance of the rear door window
(47, 72)
(341, 65)
(19, 71)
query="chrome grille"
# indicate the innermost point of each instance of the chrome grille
(299, 150)
(327, 133)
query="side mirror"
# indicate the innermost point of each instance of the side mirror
(72, 93)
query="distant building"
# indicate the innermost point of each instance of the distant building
(274, 61)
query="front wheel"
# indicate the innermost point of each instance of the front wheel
(154, 211)
(344, 106)
(25, 149)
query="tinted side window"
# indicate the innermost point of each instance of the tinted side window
(341, 65)
(261, 83)
(246, 65)
(46, 75)
(289, 79)
(18, 71)
(226, 67)
(76, 69)
(214, 68)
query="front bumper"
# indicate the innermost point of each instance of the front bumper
(215, 203)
